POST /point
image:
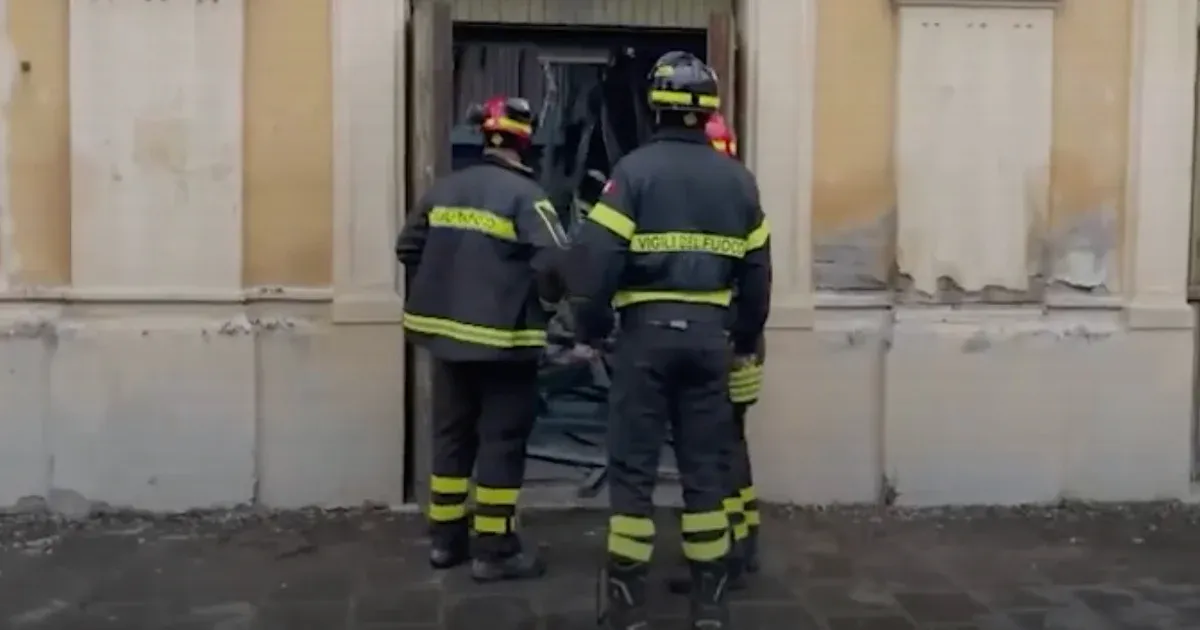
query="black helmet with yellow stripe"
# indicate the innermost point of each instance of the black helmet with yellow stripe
(506, 122)
(681, 82)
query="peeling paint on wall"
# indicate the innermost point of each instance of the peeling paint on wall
(855, 259)
(1082, 252)
(854, 181)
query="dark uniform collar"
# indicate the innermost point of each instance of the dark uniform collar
(678, 134)
(498, 160)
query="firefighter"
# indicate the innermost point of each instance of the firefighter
(481, 252)
(745, 381)
(676, 228)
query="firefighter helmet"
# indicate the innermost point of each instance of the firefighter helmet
(680, 81)
(720, 135)
(506, 122)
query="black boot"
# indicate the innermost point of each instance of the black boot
(710, 583)
(450, 544)
(735, 566)
(505, 559)
(750, 551)
(623, 596)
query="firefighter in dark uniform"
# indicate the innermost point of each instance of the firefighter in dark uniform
(678, 225)
(745, 381)
(481, 252)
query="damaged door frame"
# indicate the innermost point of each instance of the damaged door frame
(426, 155)
(1193, 288)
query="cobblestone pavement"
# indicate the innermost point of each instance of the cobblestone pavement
(1070, 567)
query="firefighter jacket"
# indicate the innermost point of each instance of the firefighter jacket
(481, 251)
(677, 227)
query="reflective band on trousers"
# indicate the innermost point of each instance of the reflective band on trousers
(750, 505)
(674, 242)
(715, 298)
(474, 219)
(705, 535)
(447, 513)
(496, 496)
(485, 524)
(448, 500)
(631, 537)
(473, 333)
(737, 518)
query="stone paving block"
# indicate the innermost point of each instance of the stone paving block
(941, 608)
(756, 616)
(870, 623)
(396, 604)
(107, 617)
(498, 612)
(850, 598)
(364, 570)
(816, 567)
(297, 616)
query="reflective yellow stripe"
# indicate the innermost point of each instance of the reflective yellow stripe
(549, 216)
(745, 391)
(475, 334)
(759, 236)
(475, 219)
(496, 496)
(448, 485)
(636, 526)
(753, 518)
(706, 551)
(741, 530)
(492, 524)
(636, 550)
(699, 522)
(745, 383)
(504, 123)
(732, 505)
(748, 370)
(670, 97)
(716, 298)
(749, 494)
(612, 220)
(743, 397)
(663, 242)
(745, 386)
(744, 376)
(446, 513)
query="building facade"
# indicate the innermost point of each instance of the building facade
(981, 213)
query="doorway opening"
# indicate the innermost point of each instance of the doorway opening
(588, 85)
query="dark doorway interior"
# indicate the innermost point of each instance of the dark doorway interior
(590, 88)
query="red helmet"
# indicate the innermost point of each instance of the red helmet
(720, 135)
(505, 122)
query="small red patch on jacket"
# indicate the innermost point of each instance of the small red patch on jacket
(608, 187)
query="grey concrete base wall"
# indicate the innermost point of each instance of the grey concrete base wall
(169, 411)
(935, 406)
(172, 409)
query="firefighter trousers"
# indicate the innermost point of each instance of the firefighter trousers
(483, 415)
(741, 500)
(668, 377)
